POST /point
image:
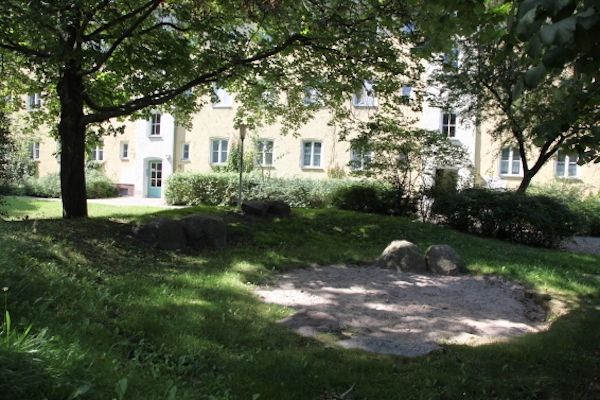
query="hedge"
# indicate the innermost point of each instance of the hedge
(506, 215)
(97, 185)
(222, 189)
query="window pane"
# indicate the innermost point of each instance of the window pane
(453, 119)
(452, 131)
(515, 154)
(306, 154)
(445, 119)
(317, 148)
(504, 167)
(316, 160)
(572, 168)
(215, 145)
(268, 158)
(505, 153)
(560, 168)
(516, 167)
(215, 157)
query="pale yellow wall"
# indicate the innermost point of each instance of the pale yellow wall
(212, 123)
(588, 175)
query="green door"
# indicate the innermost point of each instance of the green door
(154, 178)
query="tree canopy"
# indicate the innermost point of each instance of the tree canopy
(531, 69)
(98, 60)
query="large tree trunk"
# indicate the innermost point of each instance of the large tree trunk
(525, 182)
(71, 132)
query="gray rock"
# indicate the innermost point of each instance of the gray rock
(166, 234)
(309, 323)
(259, 208)
(205, 231)
(402, 255)
(443, 260)
(279, 208)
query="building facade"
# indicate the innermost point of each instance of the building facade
(142, 158)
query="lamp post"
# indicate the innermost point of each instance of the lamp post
(242, 137)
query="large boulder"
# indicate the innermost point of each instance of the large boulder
(279, 208)
(163, 233)
(205, 231)
(258, 208)
(402, 255)
(275, 208)
(443, 260)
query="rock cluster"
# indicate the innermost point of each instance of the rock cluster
(273, 208)
(405, 256)
(194, 231)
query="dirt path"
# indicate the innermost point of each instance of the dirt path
(391, 312)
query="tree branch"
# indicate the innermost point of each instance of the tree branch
(122, 18)
(104, 113)
(153, 5)
(24, 50)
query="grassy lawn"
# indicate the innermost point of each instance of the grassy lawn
(111, 319)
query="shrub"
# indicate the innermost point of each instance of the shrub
(573, 195)
(368, 197)
(528, 219)
(222, 189)
(97, 185)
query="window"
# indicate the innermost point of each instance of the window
(155, 125)
(124, 150)
(222, 98)
(451, 58)
(365, 96)
(510, 161)
(311, 96)
(449, 124)
(97, 153)
(406, 91)
(219, 149)
(360, 158)
(311, 154)
(34, 150)
(34, 101)
(185, 152)
(566, 164)
(264, 152)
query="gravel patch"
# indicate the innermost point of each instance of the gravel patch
(390, 312)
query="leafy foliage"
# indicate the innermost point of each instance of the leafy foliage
(371, 197)
(222, 189)
(97, 185)
(511, 216)
(403, 156)
(529, 68)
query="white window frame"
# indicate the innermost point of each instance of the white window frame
(261, 153)
(220, 160)
(224, 99)
(447, 128)
(185, 148)
(97, 153)
(34, 151)
(359, 160)
(512, 152)
(311, 164)
(124, 150)
(365, 97)
(155, 125)
(570, 159)
(34, 101)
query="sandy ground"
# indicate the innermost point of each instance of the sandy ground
(389, 312)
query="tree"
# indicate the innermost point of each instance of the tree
(531, 68)
(391, 148)
(96, 61)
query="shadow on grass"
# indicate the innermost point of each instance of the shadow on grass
(118, 309)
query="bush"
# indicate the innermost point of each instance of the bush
(533, 220)
(97, 185)
(574, 196)
(370, 197)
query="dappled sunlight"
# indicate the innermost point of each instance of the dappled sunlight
(408, 309)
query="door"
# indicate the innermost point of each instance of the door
(154, 178)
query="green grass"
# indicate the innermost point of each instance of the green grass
(164, 322)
